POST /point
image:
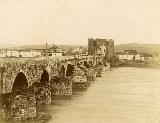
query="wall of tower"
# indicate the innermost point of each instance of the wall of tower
(101, 46)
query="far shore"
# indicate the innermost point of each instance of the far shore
(143, 64)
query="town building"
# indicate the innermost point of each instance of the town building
(130, 55)
(29, 53)
(20, 53)
(11, 53)
(2, 53)
(80, 51)
(53, 51)
(77, 50)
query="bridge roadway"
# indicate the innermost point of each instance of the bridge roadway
(33, 68)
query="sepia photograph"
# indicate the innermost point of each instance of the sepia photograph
(79, 61)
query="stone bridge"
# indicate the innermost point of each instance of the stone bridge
(15, 72)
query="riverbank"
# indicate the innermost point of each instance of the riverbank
(135, 63)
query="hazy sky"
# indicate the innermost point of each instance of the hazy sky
(73, 21)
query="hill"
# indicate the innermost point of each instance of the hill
(148, 48)
(63, 47)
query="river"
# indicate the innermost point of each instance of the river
(122, 95)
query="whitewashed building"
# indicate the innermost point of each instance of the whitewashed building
(56, 54)
(29, 53)
(130, 55)
(12, 53)
(2, 53)
(77, 50)
(20, 53)
(54, 51)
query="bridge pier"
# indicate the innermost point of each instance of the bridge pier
(19, 106)
(61, 86)
(79, 79)
(43, 81)
(86, 71)
(42, 92)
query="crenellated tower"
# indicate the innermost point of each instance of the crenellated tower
(100, 46)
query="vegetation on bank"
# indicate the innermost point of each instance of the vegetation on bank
(135, 63)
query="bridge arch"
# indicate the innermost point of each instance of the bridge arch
(69, 69)
(20, 82)
(44, 76)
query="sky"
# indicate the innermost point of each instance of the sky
(24, 22)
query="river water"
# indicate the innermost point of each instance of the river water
(122, 95)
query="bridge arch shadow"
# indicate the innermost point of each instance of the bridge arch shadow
(44, 77)
(69, 70)
(20, 82)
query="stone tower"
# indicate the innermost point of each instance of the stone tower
(101, 46)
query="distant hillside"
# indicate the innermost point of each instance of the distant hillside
(67, 47)
(148, 48)
(63, 47)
